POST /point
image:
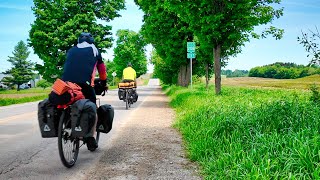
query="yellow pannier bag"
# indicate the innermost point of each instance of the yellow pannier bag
(126, 85)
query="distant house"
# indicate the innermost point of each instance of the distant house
(2, 86)
(31, 84)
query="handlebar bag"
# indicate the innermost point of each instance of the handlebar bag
(48, 117)
(83, 116)
(105, 118)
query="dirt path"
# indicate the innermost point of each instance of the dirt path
(146, 147)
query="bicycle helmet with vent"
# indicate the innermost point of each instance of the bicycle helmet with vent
(85, 36)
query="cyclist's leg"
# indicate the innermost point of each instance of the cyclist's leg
(89, 93)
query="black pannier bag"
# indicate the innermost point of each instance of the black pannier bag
(134, 95)
(83, 116)
(48, 117)
(105, 118)
(121, 94)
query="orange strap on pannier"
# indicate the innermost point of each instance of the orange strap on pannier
(60, 87)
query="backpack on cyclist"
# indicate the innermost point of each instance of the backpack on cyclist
(48, 117)
(105, 118)
(83, 116)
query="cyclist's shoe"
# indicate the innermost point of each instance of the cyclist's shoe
(92, 144)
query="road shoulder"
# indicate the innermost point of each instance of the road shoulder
(146, 147)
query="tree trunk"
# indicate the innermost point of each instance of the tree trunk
(207, 75)
(18, 87)
(184, 75)
(217, 68)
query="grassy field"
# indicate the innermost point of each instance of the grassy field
(8, 97)
(301, 83)
(250, 132)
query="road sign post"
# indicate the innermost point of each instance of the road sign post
(191, 53)
(114, 75)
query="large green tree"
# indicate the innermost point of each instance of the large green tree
(130, 47)
(226, 25)
(58, 24)
(168, 35)
(22, 69)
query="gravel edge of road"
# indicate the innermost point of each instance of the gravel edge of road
(146, 147)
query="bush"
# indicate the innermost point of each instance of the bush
(283, 71)
(43, 84)
(315, 97)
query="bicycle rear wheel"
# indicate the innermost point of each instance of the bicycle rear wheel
(97, 136)
(68, 146)
(127, 99)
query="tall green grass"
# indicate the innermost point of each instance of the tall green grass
(249, 133)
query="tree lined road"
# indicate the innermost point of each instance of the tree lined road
(25, 155)
(141, 145)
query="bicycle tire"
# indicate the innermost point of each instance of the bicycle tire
(127, 99)
(97, 137)
(67, 145)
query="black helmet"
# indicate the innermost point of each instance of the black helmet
(129, 64)
(85, 36)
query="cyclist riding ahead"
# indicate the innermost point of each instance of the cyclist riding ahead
(80, 67)
(129, 75)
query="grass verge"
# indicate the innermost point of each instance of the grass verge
(10, 101)
(249, 133)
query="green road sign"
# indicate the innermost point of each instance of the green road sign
(191, 55)
(191, 46)
(191, 49)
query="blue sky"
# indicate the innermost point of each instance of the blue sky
(16, 17)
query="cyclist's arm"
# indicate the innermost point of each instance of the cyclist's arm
(101, 68)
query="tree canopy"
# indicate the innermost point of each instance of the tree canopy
(226, 25)
(59, 23)
(130, 48)
(22, 69)
(220, 29)
(311, 42)
(169, 35)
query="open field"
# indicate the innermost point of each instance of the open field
(301, 83)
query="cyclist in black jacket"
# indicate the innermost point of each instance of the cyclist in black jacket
(80, 68)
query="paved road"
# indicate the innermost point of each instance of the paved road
(25, 155)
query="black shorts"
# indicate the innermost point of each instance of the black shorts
(127, 80)
(88, 92)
